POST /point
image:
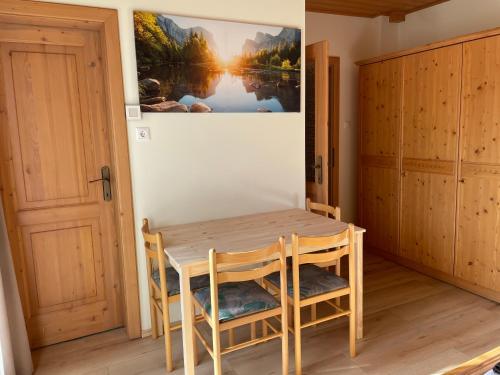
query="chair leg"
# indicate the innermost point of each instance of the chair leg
(168, 339)
(253, 331)
(290, 315)
(297, 334)
(230, 333)
(337, 272)
(352, 326)
(352, 298)
(313, 313)
(284, 345)
(168, 349)
(154, 319)
(216, 352)
(264, 326)
(195, 346)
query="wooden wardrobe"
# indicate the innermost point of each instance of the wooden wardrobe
(429, 163)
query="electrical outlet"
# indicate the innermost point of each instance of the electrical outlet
(142, 134)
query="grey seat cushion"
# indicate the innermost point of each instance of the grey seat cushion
(173, 285)
(237, 300)
(313, 281)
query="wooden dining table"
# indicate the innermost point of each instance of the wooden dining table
(187, 247)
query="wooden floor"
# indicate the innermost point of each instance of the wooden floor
(413, 325)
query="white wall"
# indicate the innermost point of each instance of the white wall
(14, 346)
(443, 21)
(352, 39)
(205, 166)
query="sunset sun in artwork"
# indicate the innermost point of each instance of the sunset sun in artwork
(190, 64)
(229, 37)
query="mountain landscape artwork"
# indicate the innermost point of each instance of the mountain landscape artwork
(187, 64)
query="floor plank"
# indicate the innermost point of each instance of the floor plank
(413, 325)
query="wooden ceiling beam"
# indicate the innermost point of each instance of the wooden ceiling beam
(396, 10)
(397, 17)
(428, 5)
(339, 11)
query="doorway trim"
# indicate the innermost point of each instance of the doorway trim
(334, 130)
(106, 22)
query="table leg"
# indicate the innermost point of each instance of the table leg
(359, 285)
(187, 322)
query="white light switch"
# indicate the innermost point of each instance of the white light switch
(142, 134)
(133, 112)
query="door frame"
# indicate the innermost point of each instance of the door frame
(105, 21)
(334, 130)
(316, 53)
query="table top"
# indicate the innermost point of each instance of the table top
(188, 244)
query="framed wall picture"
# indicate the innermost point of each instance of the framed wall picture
(190, 64)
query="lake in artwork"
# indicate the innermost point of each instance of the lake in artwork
(198, 65)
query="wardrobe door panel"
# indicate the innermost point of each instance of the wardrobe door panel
(380, 91)
(478, 218)
(478, 239)
(480, 125)
(431, 109)
(431, 103)
(428, 216)
(380, 207)
(380, 124)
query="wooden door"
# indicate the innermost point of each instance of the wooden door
(380, 124)
(54, 142)
(431, 108)
(317, 107)
(478, 234)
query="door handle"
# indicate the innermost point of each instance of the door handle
(106, 183)
(318, 167)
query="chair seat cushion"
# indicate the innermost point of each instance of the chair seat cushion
(237, 300)
(173, 285)
(313, 281)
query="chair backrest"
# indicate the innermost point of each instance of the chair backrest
(324, 209)
(155, 256)
(338, 245)
(229, 267)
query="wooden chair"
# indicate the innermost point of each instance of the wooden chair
(324, 209)
(311, 284)
(235, 299)
(164, 287)
(329, 212)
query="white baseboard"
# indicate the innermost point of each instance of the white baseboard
(146, 333)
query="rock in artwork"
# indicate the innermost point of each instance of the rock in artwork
(189, 64)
